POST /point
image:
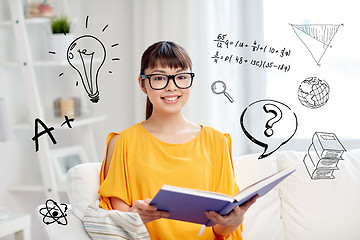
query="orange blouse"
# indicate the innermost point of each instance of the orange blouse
(141, 164)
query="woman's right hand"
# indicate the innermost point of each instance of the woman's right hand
(147, 212)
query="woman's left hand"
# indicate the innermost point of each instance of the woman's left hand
(229, 223)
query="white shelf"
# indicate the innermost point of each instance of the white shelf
(33, 187)
(56, 122)
(18, 224)
(50, 63)
(26, 187)
(22, 126)
(54, 63)
(39, 20)
(5, 23)
(28, 21)
(79, 121)
(46, 63)
(9, 64)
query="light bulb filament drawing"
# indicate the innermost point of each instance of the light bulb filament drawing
(81, 55)
(90, 56)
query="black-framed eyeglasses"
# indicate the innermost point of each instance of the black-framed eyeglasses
(160, 81)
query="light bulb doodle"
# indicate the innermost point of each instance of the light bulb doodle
(87, 54)
(274, 135)
(219, 87)
(84, 49)
(54, 212)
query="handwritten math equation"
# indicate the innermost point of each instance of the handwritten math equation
(223, 43)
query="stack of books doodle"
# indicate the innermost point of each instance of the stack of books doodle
(323, 155)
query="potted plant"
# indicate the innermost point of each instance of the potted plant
(60, 25)
(60, 37)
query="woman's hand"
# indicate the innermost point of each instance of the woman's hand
(147, 212)
(229, 223)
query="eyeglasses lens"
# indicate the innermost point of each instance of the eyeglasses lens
(182, 80)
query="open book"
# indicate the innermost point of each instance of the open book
(190, 205)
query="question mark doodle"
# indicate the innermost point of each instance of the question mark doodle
(271, 108)
(274, 136)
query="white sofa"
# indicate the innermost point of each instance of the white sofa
(299, 208)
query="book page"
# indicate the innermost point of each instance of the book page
(196, 192)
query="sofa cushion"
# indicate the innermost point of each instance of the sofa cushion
(82, 187)
(323, 208)
(262, 220)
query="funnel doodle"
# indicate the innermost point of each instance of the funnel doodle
(316, 37)
(279, 124)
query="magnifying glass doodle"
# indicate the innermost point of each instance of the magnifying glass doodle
(219, 87)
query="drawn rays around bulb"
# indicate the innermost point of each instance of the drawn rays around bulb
(114, 45)
(87, 54)
(86, 21)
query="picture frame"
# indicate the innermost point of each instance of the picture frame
(66, 158)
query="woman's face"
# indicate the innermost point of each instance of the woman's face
(169, 100)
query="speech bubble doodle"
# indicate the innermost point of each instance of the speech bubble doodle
(278, 124)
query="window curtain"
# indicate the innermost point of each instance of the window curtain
(195, 25)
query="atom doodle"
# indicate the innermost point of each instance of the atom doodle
(54, 212)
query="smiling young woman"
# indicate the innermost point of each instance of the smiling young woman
(167, 148)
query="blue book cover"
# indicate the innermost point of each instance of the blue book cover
(190, 205)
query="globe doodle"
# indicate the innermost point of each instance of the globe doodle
(313, 92)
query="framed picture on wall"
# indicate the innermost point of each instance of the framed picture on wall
(66, 158)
